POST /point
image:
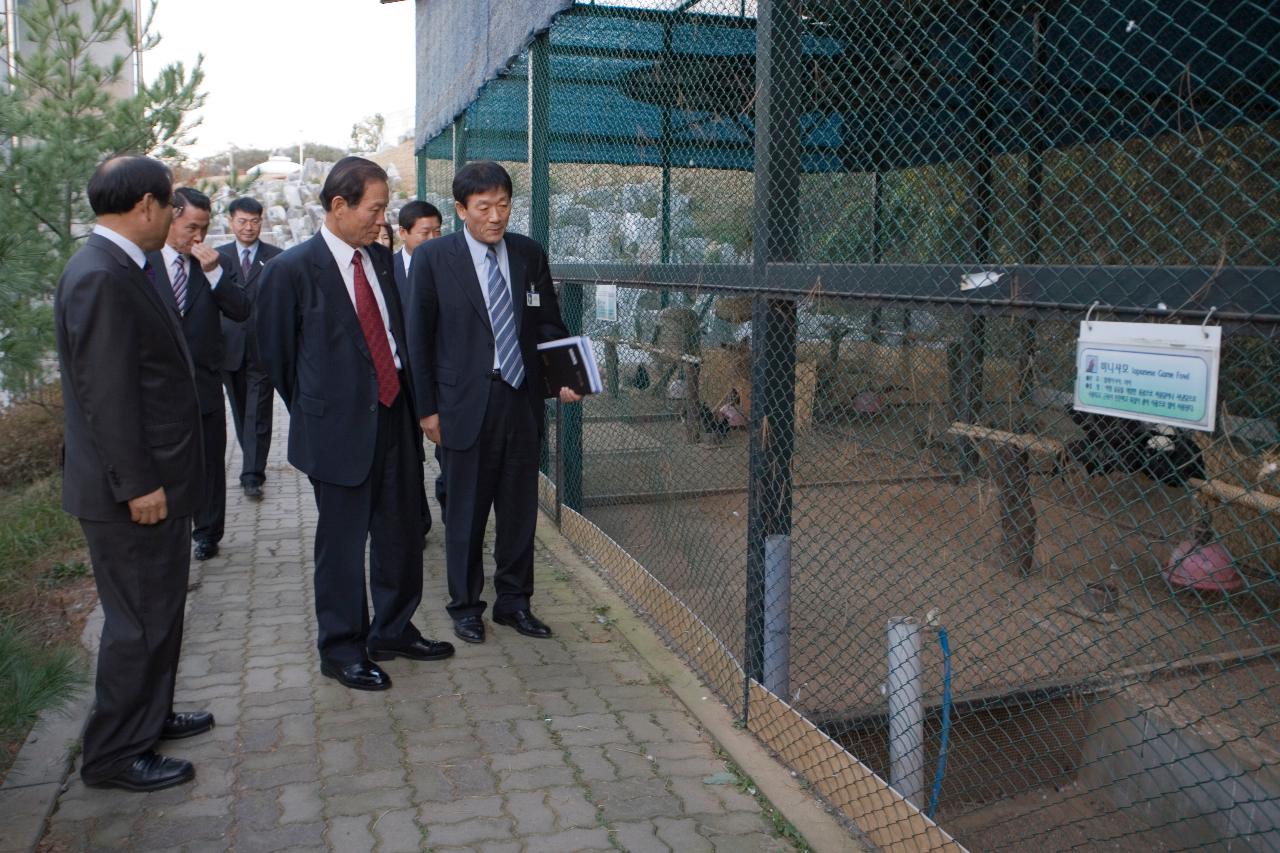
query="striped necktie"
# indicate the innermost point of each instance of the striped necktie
(503, 320)
(180, 284)
(244, 267)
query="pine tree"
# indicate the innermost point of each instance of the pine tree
(68, 107)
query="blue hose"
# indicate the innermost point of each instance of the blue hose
(944, 737)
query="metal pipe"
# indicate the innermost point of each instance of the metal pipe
(906, 710)
(777, 615)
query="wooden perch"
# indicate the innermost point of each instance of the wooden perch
(1030, 443)
(1225, 492)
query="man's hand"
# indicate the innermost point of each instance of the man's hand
(151, 508)
(431, 426)
(207, 257)
(568, 395)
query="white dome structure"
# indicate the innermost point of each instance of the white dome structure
(277, 166)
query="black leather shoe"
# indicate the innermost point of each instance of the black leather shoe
(469, 629)
(253, 491)
(150, 771)
(524, 622)
(186, 724)
(206, 550)
(419, 649)
(361, 675)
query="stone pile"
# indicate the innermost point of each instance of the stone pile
(609, 224)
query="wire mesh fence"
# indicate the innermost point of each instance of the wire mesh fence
(834, 259)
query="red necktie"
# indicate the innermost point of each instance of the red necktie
(375, 335)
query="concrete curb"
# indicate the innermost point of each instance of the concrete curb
(801, 808)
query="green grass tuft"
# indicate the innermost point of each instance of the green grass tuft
(32, 678)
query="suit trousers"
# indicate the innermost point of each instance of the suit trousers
(211, 517)
(383, 512)
(250, 392)
(500, 471)
(141, 572)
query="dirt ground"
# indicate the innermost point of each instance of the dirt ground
(884, 527)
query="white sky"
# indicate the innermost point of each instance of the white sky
(277, 71)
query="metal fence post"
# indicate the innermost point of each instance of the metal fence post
(422, 173)
(773, 321)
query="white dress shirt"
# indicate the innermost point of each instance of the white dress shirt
(342, 254)
(171, 254)
(405, 257)
(479, 251)
(130, 248)
(240, 250)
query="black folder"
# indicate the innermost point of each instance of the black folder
(569, 363)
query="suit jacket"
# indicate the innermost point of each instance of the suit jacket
(402, 278)
(314, 351)
(201, 324)
(239, 344)
(450, 339)
(128, 389)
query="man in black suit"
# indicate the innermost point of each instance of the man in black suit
(481, 301)
(331, 334)
(190, 277)
(247, 384)
(132, 472)
(419, 221)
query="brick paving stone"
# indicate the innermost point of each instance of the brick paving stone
(639, 837)
(628, 800)
(300, 802)
(466, 832)
(515, 746)
(350, 833)
(306, 835)
(499, 847)
(398, 831)
(463, 808)
(471, 777)
(682, 834)
(535, 779)
(571, 807)
(254, 810)
(697, 798)
(531, 813)
(527, 760)
(497, 736)
(592, 764)
(578, 840)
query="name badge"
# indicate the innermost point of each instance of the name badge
(533, 299)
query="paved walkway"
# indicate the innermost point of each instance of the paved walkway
(517, 745)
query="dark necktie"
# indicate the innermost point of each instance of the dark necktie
(244, 267)
(503, 320)
(375, 335)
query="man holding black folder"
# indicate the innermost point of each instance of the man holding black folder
(481, 301)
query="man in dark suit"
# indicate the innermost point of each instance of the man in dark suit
(132, 472)
(481, 301)
(419, 221)
(247, 384)
(331, 334)
(191, 278)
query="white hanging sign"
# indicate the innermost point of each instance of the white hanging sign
(1153, 372)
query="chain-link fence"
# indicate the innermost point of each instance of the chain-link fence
(834, 258)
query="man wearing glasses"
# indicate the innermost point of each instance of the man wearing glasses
(246, 382)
